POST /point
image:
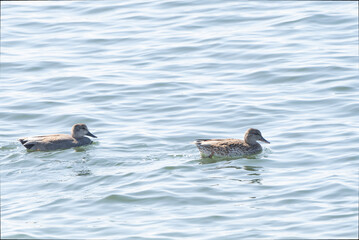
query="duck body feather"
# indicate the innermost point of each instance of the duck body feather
(59, 141)
(53, 142)
(226, 147)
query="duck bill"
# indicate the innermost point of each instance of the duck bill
(91, 135)
(263, 140)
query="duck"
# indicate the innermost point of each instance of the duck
(231, 148)
(59, 141)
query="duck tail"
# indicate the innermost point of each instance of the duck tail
(199, 141)
(26, 143)
(29, 145)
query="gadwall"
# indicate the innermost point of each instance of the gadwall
(231, 147)
(59, 141)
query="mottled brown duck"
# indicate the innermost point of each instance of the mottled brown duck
(231, 148)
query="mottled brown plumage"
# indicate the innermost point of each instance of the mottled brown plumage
(231, 147)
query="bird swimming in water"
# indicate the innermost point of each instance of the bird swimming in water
(231, 147)
(59, 141)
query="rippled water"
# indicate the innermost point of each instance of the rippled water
(149, 77)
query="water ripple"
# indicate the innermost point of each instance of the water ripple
(150, 77)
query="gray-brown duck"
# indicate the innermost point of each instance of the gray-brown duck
(59, 141)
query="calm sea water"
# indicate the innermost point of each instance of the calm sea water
(149, 77)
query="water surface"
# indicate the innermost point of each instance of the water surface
(149, 77)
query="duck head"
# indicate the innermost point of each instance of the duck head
(79, 130)
(253, 135)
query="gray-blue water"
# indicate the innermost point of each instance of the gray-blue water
(149, 77)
